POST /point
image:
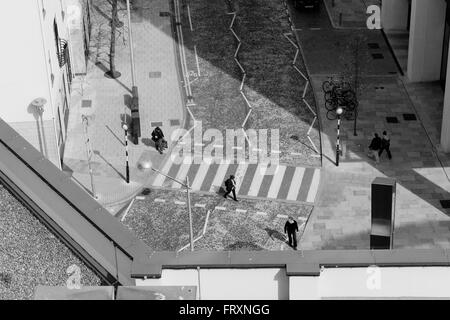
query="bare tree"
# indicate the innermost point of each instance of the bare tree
(353, 62)
(113, 73)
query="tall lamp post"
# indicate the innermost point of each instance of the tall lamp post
(135, 121)
(147, 165)
(127, 167)
(339, 112)
(85, 119)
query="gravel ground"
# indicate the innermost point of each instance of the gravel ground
(219, 104)
(30, 255)
(273, 87)
(164, 225)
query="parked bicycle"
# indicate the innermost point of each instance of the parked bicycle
(332, 83)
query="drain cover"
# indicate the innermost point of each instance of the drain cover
(156, 124)
(175, 122)
(391, 119)
(373, 45)
(155, 74)
(377, 56)
(164, 14)
(86, 103)
(409, 117)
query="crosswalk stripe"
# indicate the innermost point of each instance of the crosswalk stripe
(314, 186)
(306, 184)
(182, 172)
(276, 182)
(160, 178)
(192, 172)
(296, 183)
(247, 180)
(220, 174)
(197, 183)
(240, 174)
(257, 179)
(210, 174)
(287, 179)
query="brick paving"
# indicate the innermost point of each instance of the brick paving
(341, 217)
(160, 99)
(349, 14)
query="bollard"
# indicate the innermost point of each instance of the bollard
(332, 3)
(135, 119)
(340, 19)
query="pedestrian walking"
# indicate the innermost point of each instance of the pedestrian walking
(291, 228)
(230, 185)
(375, 147)
(385, 145)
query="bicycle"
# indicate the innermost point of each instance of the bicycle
(331, 83)
(332, 104)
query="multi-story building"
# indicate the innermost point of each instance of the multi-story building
(44, 47)
(424, 26)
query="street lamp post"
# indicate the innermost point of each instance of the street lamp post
(135, 121)
(191, 235)
(125, 128)
(339, 112)
(186, 185)
(85, 120)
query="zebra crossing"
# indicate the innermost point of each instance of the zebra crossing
(252, 179)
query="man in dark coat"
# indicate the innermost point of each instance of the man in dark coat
(158, 137)
(291, 227)
(375, 147)
(385, 145)
(230, 185)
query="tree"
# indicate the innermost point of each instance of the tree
(354, 60)
(115, 23)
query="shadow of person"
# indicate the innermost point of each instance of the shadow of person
(275, 234)
(243, 245)
(148, 142)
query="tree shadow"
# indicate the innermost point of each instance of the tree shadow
(102, 67)
(115, 136)
(96, 152)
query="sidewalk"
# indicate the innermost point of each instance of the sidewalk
(341, 217)
(160, 100)
(349, 14)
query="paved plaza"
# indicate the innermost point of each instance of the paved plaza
(411, 113)
(160, 101)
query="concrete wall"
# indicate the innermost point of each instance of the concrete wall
(407, 282)
(29, 62)
(445, 128)
(426, 40)
(332, 283)
(76, 11)
(239, 284)
(394, 14)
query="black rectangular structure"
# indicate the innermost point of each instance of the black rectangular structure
(383, 212)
